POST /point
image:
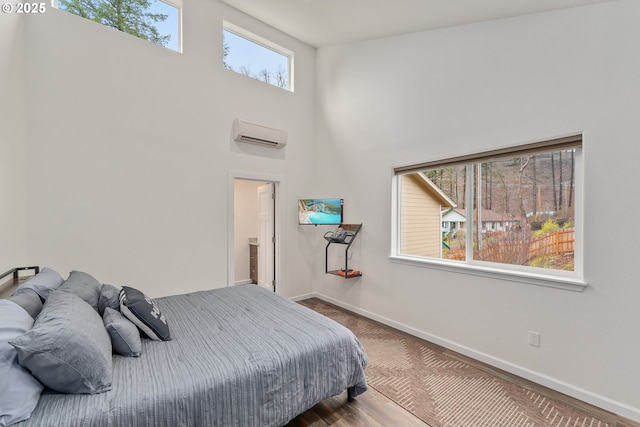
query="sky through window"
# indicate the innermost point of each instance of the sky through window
(253, 59)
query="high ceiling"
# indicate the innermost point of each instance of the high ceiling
(328, 22)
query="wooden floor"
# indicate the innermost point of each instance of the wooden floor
(370, 409)
(373, 409)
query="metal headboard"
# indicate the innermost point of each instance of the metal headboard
(4, 287)
(17, 270)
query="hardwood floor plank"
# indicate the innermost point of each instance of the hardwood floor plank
(623, 422)
(370, 409)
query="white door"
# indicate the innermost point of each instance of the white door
(266, 233)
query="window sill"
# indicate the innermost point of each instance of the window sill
(551, 281)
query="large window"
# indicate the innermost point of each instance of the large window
(256, 57)
(154, 20)
(514, 211)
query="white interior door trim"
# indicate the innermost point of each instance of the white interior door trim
(279, 183)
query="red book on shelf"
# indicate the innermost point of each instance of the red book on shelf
(350, 273)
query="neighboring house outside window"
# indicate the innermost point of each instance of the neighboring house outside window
(453, 220)
(516, 210)
(422, 205)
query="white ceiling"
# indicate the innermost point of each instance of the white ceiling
(328, 22)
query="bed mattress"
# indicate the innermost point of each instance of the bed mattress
(239, 356)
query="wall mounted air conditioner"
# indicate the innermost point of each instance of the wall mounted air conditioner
(258, 134)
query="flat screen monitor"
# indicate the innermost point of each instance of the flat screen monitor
(320, 211)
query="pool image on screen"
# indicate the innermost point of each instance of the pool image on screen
(320, 211)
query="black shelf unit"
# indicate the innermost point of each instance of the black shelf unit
(352, 231)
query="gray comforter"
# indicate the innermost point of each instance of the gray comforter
(240, 356)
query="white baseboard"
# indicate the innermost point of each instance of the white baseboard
(242, 282)
(594, 399)
(303, 297)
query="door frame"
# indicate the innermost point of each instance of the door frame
(279, 186)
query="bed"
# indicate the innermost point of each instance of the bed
(238, 356)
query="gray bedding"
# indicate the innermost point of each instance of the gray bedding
(240, 356)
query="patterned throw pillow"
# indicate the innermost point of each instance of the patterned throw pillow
(143, 312)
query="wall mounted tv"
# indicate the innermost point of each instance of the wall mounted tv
(320, 211)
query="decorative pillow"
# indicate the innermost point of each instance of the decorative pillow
(125, 336)
(109, 297)
(29, 300)
(83, 285)
(42, 283)
(143, 312)
(68, 348)
(19, 390)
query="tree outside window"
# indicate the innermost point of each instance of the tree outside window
(517, 209)
(152, 20)
(255, 57)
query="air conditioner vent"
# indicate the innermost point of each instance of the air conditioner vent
(258, 134)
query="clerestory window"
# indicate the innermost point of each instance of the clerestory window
(256, 57)
(158, 21)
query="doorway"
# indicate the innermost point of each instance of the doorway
(253, 229)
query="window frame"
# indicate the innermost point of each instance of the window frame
(569, 280)
(178, 5)
(265, 43)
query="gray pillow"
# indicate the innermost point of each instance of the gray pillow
(125, 336)
(83, 285)
(19, 390)
(68, 348)
(42, 283)
(109, 297)
(29, 300)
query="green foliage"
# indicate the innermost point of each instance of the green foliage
(129, 16)
(556, 262)
(548, 227)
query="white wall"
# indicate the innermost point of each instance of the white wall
(245, 225)
(130, 145)
(13, 190)
(430, 95)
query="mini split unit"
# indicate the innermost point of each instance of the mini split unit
(258, 134)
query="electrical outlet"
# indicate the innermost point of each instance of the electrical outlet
(534, 339)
